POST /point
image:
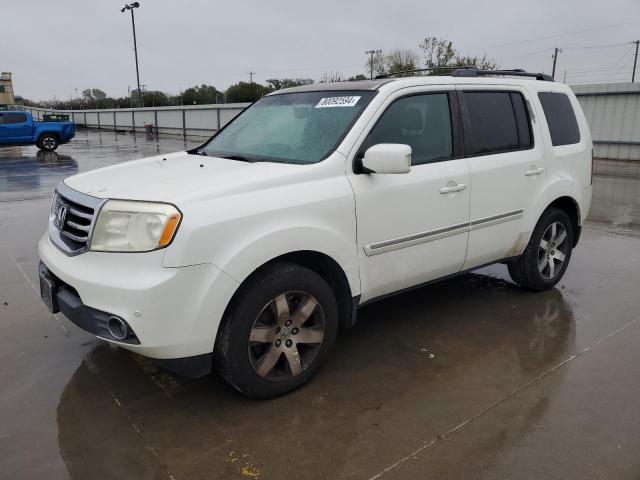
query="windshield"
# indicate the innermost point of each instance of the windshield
(297, 128)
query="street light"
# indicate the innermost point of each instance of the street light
(131, 6)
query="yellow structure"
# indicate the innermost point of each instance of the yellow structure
(6, 91)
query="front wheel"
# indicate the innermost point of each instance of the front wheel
(48, 142)
(547, 255)
(277, 332)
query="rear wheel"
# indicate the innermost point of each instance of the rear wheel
(277, 331)
(547, 255)
(48, 142)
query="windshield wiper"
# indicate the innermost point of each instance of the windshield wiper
(240, 158)
(203, 153)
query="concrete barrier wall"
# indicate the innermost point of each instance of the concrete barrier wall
(187, 120)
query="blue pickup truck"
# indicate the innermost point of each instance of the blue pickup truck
(18, 128)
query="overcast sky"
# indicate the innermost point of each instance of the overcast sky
(53, 48)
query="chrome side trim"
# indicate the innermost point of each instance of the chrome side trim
(415, 239)
(496, 219)
(438, 233)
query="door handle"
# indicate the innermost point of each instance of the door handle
(534, 171)
(453, 188)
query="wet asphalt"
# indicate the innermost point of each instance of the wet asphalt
(469, 378)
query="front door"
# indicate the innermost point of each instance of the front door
(14, 128)
(413, 227)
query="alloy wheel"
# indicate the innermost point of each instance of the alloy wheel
(49, 143)
(286, 336)
(553, 250)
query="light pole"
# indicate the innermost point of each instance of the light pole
(131, 6)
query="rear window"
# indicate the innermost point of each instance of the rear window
(561, 118)
(498, 122)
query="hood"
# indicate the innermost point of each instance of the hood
(172, 176)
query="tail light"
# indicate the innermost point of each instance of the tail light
(593, 165)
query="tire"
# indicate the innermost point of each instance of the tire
(48, 142)
(544, 261)
(277, 331)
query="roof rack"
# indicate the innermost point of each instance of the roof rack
(517, 72)
(416, 70)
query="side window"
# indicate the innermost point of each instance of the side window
(525, 137)
(421, 121)
(14, 118)
(497, 122)
(561, 118)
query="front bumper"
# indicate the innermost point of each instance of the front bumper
(67, 301)
(174, 312)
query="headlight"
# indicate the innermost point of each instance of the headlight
(127, 226)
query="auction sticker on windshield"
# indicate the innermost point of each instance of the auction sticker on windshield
(337, 102)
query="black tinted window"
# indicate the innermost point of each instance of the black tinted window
(421, 121)
(561, 119)
(522, 120)
(492, 122)
(15, 118)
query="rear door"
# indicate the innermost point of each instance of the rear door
(507, 167)
(412, 228)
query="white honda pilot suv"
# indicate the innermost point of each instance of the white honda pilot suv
(246, 253)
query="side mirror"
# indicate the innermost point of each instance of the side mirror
(387, 158)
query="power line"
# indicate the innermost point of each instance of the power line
(610, 45)
(548, 37)
(525, 55)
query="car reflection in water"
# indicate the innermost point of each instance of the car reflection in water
(25, 175)
(420, 363)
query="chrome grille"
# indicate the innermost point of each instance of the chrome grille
(72, 218)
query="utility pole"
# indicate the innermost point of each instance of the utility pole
(251, 89)
(556, 51)
(372, 53)
(131, 6)
(635, 62)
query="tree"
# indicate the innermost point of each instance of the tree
(200, 95)
(331, 77)
(154, 98)
(440, 55)
(98, 96)
(246, 92)
(280, 83)
(437, 52)
(359, 76)
(400, 59)
(483, 63)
